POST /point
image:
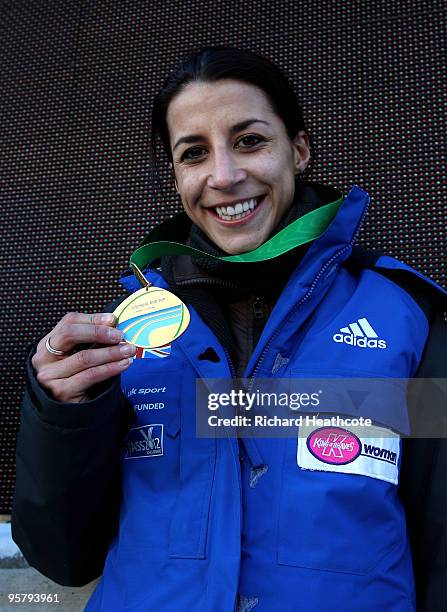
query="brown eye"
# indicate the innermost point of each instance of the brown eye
(251, 140)
(193, 153)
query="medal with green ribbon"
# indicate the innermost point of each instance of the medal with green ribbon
(153, 317)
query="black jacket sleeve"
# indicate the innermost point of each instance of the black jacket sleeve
(423, 486)
(67, 495)
(423, 474)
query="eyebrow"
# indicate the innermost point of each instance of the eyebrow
(237, 127)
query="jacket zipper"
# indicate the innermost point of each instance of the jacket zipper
(230, 362)
(258, 319)
(258, 308)
(213, 281)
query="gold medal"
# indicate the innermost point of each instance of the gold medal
(152, 317)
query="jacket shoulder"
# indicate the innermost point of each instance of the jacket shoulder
(429, 295)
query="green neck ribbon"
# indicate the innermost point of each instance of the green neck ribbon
(303, 230)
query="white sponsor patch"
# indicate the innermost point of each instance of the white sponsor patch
(333, 449)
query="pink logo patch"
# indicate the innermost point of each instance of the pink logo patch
(334, 445)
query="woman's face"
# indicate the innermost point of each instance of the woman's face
(233, 161)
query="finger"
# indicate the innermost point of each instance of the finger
(70, 335)
(42, 356)
(97, 318)
(83, 360)
(74, 388)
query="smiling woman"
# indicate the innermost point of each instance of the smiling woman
(240, 153)
(236, 171)
(268, 283)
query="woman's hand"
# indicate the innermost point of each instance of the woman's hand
(69, 377)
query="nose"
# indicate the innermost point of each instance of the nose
(225, 171)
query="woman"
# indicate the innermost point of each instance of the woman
(215, 523)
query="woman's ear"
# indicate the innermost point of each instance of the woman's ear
(301, 151)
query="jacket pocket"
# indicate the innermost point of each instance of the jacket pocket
(333, 519)
(189, 526)
(150, 455)
(339, 506)
(167, 471)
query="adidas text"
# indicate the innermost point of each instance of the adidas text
(359, 341)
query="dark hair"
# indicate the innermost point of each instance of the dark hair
(215, 63)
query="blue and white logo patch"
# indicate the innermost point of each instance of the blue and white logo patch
(144, 441)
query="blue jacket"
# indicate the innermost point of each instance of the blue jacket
(270, 524)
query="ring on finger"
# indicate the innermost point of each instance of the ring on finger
(52, 350)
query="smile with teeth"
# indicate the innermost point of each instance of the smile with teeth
(237, 211)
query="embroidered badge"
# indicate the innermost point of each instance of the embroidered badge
(144, 441)
(333, 449)
(334, 445)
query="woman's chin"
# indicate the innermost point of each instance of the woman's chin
(243, 238)
(236, 247)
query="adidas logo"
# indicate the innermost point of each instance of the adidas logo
(360, 334)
